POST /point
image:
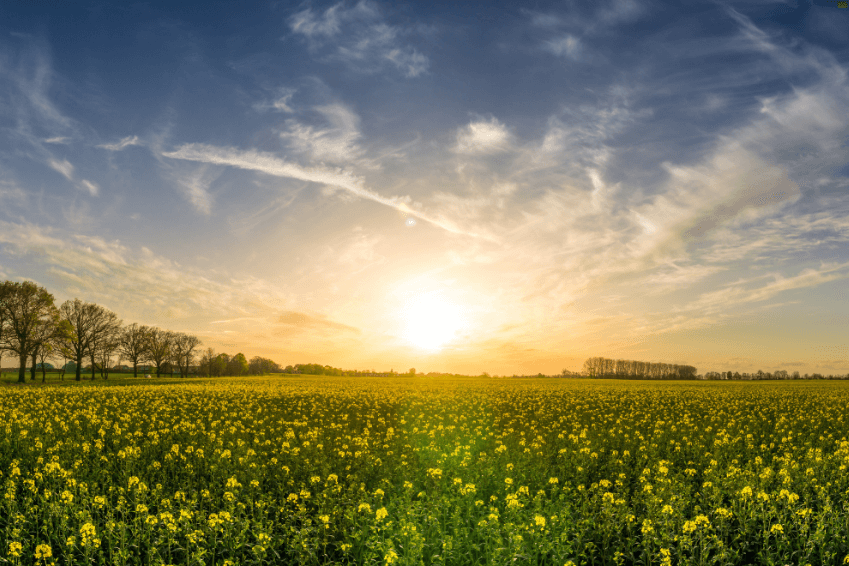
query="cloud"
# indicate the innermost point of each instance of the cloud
(734, 295)
(194, 187)
(121, 144)
(91, 187)
(138, 283)
(483, 137)
(272, 165)
(298, 321)
(58, 140)
(336, 144)
(308, 23)
(64, 167)
(281, 103)
(360, 37)
(566, 46)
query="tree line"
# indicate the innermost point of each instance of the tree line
(630, 369)
(34, 328)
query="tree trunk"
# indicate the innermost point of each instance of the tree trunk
(79, 367)
(34, 361)
(22, 371)
(135, 369)
(93, 367)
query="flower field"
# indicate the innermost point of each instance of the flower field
(291, 470)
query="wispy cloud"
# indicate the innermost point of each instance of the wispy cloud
(121, 144)
(194, 186)
(91, 187)
(336, 144)
(566, 46)
(483, 137)
(64, 167)
(272, 165)
(292, 321)
(359, 36)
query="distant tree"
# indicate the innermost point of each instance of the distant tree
(259, 366)
(133, 344)
(158, 348)
(412, 371)
(183, 350)
(207, 359)
(27, 310)
(105, 334)
(238, 365)
(85, 321)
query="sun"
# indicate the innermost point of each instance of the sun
(431, 322)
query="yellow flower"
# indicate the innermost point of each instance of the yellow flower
(364, 507)
(43, 551)
(390, 556)
(776, 529)
(667, 510)
(539, 520)
(15, 549)
(381, 514)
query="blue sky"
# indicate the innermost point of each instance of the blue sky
(502, 187)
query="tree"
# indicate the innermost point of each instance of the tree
(219, 367)
(104, 336)
(158, 348)
(238, 365)
(133, 344)
(412, 371)
(260, 366)
(105, 343)
(27, 311)
(183, 347)
(85, 320)
(207, 359)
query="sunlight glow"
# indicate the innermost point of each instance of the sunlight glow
(431, 322)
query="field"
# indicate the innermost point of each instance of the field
(291, 470)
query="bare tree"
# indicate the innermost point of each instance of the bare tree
(88, 324)
(106, 346)
(183, 347)
(28, 310)
(133, 344)
(159, 348)
(104, 336)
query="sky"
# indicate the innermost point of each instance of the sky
(509, 187)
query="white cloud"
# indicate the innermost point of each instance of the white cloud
(310, 24)
(58, 140)
(272, 165)
(483, 137)
(195, 189)
(123, 143)
(337, 144)
(566, 46)
(91, 187)
(64, 167)
(359, 36)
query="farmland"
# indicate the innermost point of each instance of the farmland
(319, 470)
